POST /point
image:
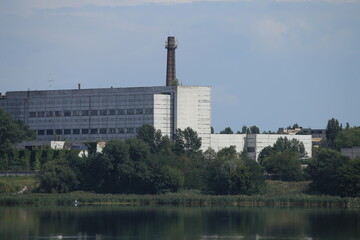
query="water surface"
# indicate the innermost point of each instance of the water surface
(119, 222)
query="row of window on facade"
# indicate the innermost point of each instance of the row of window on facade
(77, 131)
(104, 112)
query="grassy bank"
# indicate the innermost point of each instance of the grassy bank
(278, 194)
(13, 184)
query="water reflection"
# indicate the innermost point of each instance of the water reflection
(177, 223)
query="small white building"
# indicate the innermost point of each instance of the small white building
(255, 143)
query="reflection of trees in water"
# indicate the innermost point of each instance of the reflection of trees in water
(178, 222)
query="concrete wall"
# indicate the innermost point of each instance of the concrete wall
(193, 109)
(259, 141)
(164, 114)
(353, 152)
(220, 141)
(255, 143)
(110, 113)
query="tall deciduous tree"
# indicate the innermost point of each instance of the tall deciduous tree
(333, 128)
(12, 132)
(187, 141)
(322, 169)
(227, 130)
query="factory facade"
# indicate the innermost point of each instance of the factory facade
(92, 115)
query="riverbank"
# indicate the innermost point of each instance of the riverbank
(183, 198)
(278, 193)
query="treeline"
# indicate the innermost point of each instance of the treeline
(330, 172)
(152, 164)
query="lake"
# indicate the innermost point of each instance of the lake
(171, 222)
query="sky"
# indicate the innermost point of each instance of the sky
(270, 63)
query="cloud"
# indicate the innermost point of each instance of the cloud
(272, 33)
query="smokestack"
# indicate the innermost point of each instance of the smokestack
(171, 45)
(79, 86)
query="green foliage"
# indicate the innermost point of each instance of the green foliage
(350, 137)
(56, 176)
(254, 130)
(333, 128)
(284, 166)
(348, 177)
(187, 141)
(12, 132)
(283, 159)
(227, 130)
(322, 170)
(247, 130)
(229, 174)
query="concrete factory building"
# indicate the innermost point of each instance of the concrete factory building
(83, 115)
(89, 115)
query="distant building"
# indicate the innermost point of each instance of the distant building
(316, 134)
(80, 115)
(255, 143)
(83, 115)
(352, 153)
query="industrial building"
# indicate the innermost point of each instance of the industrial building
(90, 115)
(83, 115)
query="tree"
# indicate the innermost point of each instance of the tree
(56, 176)
(283, 159)
(284, 166)
(333, 128)
(187, 141)
(12, 132)
(151, 136)
(322, 170)
(230, 174)
(254, 130)
(138, 149)
(348, 138)
(348, 177)
(212, 130)
(227, 130)
(245, 130)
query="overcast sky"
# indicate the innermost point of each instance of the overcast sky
(271, 63)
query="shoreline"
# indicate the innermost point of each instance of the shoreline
(177, 199)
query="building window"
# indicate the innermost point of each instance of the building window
(94, 131)
(57, 113)
(251, 149)
(76, 113)
(121, 130)
(49, 114)
(137, 130)
(41, 114)
(148, 111)
(130, 130)
(112, 112)
(103, 112)
(94, 112)
(112, 130)
(84, 131)
(67, 131)
(32, 114)
(67, 113)
(76, 131)
(41, 132)
(58, 131)
(102, 130)
(121, 112)
(85, 113)
(130, 112)
(49, 132)
(139, 111)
